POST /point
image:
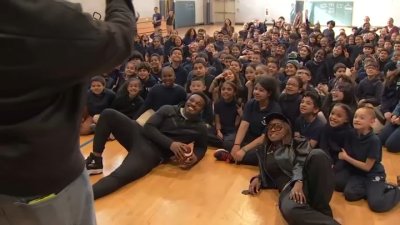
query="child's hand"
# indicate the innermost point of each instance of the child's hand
(346, 53)
(362, 101)
(388, 116)
(96, 118)
(238, 155)
(249, 84)
(221, 76)
(396, 121)
(343, 155)
(323, 88)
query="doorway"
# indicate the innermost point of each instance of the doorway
(224, 9)
(166, 6)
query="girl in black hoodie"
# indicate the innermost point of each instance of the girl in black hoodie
(336, 130)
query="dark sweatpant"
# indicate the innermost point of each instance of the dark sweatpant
(226, 143)
(142, 156)
(390, 136)
(380, 198)
(318, 188)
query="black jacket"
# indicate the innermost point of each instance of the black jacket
(290, 159)
(168, 125)
(49, 49)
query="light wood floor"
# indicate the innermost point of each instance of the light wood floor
(210, 194)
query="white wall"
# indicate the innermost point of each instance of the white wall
(199, 4)
(378, 11)
(144, 8)
(248, 10)
(91, 6)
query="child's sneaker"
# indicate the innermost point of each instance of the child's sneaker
(223, 155)
(94, 164)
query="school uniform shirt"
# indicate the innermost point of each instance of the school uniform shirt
(311, 131)
(126, 105)
(330, 34)
(290, 106)
(138, 46)
(147, 85)
(354, 51)
(330, 61)
(157, 76)
(361, 147)
(333, 139)
(97, 103)
(161, 95)
(371, 90)
(390, 96)
(318, 72)
(181, 75)
(151, 50)
(227, 112)
(208, 79)
(254, 115)
(157, 17)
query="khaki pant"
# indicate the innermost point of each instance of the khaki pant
(73, 205)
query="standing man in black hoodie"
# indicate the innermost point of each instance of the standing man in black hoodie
(49, 50)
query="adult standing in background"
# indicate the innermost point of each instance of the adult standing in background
(156, 19)
(391, 28)
(170, 22)
(228, 28)
(46, 61)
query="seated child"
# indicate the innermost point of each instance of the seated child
(98, 99)
(227, 117)
(290, 99)
(336, 131)
(128, 101)
(148, 81)
(309, 124)
(362, 175)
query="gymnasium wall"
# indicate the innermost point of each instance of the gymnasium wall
(247, 10)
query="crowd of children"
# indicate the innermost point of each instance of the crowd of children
(339, 92)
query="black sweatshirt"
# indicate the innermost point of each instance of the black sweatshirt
(97, 103)
(168, 125)
(49, 50)
(126, 105)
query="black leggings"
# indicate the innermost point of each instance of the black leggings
(142, 156)
(318, 188)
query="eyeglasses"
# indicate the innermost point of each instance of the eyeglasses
(275, 127)
(292, 84)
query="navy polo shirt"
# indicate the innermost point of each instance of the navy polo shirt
(312, 130)
(254, 115)
(181, 75)
(361, 147)
(227, 112)
(97, 103)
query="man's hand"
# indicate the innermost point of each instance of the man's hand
(178, 149)
(189, 162)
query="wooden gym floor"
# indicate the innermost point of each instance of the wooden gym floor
(210, 194)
